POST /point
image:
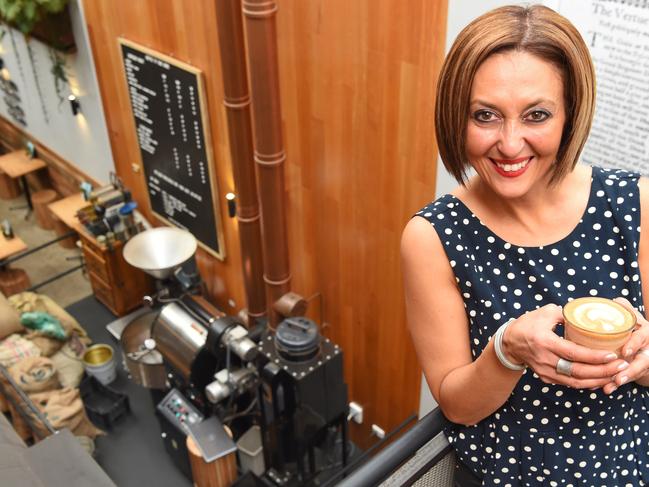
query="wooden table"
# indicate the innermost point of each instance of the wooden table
(9, 247)
(66, 210)
(17, 164)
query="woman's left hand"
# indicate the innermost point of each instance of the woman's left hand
(635, 351)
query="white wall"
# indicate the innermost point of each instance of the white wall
(81, 140)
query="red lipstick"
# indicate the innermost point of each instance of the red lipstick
(511, 174)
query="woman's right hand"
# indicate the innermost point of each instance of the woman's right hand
(531, 340)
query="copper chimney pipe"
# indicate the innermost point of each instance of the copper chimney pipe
(237, 104)
(269, 150)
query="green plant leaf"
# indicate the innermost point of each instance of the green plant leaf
(24, 14)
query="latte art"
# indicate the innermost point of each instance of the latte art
(598, 323)
(599, 317)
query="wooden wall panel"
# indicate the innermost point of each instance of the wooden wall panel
(357, 85)
(185, 31)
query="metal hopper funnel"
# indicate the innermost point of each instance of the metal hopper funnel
(160, 251)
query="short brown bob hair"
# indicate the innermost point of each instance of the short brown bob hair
(538, 30)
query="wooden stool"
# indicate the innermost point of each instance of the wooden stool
(40, 200)
(9, 187)
(61, 229)
(13, 281)
(221, 472)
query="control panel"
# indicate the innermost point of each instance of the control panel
(179, 411)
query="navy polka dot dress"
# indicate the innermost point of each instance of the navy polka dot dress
(548, 434)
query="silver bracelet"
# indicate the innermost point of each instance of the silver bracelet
(498, 347)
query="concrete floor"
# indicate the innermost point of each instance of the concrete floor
(46, 262)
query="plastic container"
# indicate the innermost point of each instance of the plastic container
(251, 451)
(99, 361)
(104, 405)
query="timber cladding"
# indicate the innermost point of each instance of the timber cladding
(357, 84)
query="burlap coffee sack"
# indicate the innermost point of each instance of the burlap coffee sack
(28, 301)
(9, 318)
(12, 349)
(48, 346)
(35, 374)
(31, 374)
(68, 362)
(16, 347)
(63, 408)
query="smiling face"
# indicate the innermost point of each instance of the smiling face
(515, 123)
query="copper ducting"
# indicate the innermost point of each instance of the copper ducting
(269, 150)
(237, 103)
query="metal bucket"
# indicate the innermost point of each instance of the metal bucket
(145, 367)
(99, 362)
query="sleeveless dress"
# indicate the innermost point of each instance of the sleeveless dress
(550, 434)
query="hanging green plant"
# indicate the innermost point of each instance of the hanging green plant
(60, 72)
(25, 14)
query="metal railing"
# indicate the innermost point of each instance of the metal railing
(407, 458)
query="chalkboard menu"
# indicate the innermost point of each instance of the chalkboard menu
(167, 99)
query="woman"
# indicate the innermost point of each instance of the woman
(529, 232)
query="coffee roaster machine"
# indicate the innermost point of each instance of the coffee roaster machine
(200, 363)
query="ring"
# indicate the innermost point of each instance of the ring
(564, 367)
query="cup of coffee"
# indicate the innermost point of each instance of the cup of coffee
(598, 323)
